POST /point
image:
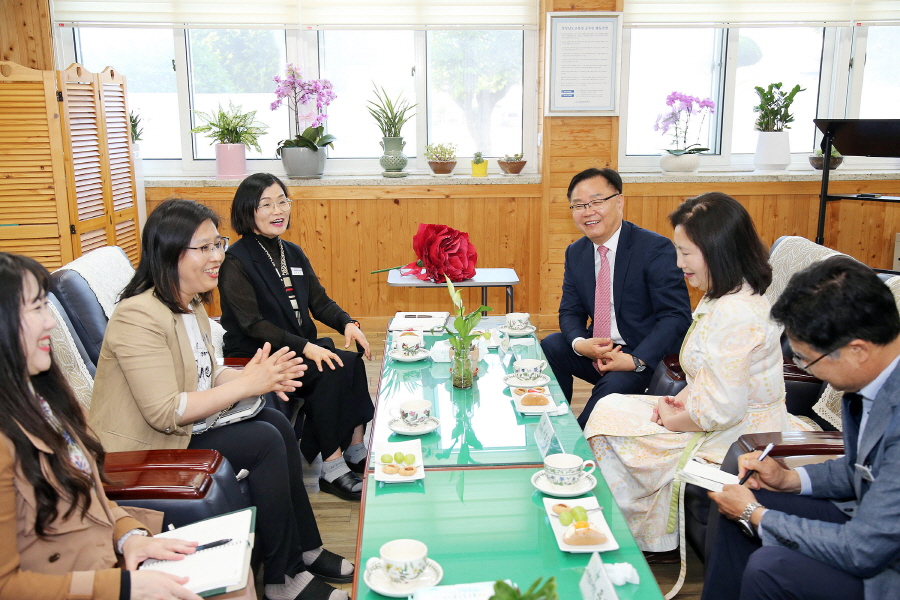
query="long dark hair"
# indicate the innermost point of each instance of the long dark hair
(166, 236)
(246, 199)
(22, 409)
(723, 230)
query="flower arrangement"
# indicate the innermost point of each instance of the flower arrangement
(682, 109)
(440, 152)
(774, 107)
(465, 354)
(231, 126)
(441, 252)
(299, 93)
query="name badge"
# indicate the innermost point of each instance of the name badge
(864, 472)
(296, 271)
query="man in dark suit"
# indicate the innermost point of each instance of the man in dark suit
(625, 280)
(844, 328)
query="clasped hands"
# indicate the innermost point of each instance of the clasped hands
(666, 408)
(607, 355)
(275, 371)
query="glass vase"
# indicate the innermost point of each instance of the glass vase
(463, 368)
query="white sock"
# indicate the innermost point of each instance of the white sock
(310, 556)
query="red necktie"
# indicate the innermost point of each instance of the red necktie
(601, 300)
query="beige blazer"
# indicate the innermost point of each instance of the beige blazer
(76, 559)
(146, 363)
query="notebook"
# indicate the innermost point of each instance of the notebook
(418, 320)
(706, 476)
(215, 570)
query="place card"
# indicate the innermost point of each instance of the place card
(595, 583)
(546, 438)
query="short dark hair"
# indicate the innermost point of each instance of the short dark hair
(246, 199)
(723, 230)
(166, 237)
(835, 301)
(609, 175)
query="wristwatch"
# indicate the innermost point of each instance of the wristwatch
(744, 520)
(638, 365)
(355, 322)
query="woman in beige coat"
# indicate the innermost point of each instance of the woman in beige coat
(62, 538)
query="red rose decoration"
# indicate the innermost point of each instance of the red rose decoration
(442, 251)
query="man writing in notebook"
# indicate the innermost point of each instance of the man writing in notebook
(625, 281)
(844, 328)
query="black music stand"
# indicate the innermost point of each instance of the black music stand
(855, 137)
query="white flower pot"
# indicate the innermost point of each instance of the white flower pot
(679, 163)
(773, 152)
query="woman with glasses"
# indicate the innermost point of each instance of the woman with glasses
(733, 362)
(270, 294)
(157, 375)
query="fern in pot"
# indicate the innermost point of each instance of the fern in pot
(232, 130)
(773, 147)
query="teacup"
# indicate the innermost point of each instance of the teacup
(402, 560)
(413, 412)
(517, 321)
(566, 469)
(409, 343)
(529, 369)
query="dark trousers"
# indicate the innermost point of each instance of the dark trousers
(566, 365)
(285, 524)
(334, 403)
(741, 567)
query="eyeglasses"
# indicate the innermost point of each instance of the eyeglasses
(207, 249)
(267, 208)
(806, 366)
(598, 203)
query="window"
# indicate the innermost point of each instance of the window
(881, 77)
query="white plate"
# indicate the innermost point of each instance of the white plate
(398, 425)
(379, 582)
(595, 517)
(518, 332)
(413, 447)
(514, 382)
(534, 410)
(398, 355)
(540, 481)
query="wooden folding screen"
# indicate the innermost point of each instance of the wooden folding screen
(34, 217)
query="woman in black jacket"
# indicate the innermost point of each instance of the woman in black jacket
(270, 293)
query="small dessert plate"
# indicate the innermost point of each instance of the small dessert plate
(399, 356)
(518, 332)
(514, 382)
(540, 481)
(378, 581)
(413, 447)
(400, 426)
(595, 518)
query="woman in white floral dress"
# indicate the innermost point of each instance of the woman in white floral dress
(733, 361)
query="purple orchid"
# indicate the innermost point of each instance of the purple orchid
(678, 118)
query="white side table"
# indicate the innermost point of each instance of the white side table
(484, 278)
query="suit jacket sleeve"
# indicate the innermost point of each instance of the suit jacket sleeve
(863, 546)
(669, 300)
(573, 314)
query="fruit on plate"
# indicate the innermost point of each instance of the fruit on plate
(582, 533)
(409, 459)
(387, 458)
(399, 456)
(580, 513)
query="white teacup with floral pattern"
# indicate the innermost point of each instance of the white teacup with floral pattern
(402, 560)
(413, 412)
(408, 343)
(517, 321)
(529, 369)
(566, 469)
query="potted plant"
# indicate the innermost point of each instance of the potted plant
(511, 165)
(683, 112)
(479, 166)
(305, 98)
(140, 196)
(441, 158)
(462, 341)
(773, 147)
(504, 591)
(232, 130)
(817, 160)
(391, 115)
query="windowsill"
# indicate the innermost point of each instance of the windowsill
(750, 176)
(350, 180)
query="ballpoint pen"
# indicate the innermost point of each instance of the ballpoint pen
(212, 544)
(761, 458)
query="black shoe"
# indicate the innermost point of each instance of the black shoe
(670, 557)
(342, 486)
(357, 467)
(327, 567)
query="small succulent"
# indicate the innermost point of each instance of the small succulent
(834, 152)
(440, 152)
(478, 159)
(513, 158)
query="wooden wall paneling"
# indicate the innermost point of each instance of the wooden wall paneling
(25, 33)
(33, 207)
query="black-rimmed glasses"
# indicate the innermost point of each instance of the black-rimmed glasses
(598, 203)
(806, 366)
(221, 245)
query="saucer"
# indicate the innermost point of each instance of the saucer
(518, 332)
(587, 483)
(399, 426)
(379, 582)
(399, 356)
(514, 382)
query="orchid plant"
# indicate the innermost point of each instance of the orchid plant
(300, 94)
(683, 109)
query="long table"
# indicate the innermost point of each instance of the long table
(476, 509)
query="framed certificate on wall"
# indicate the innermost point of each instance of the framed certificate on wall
(582, 66)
